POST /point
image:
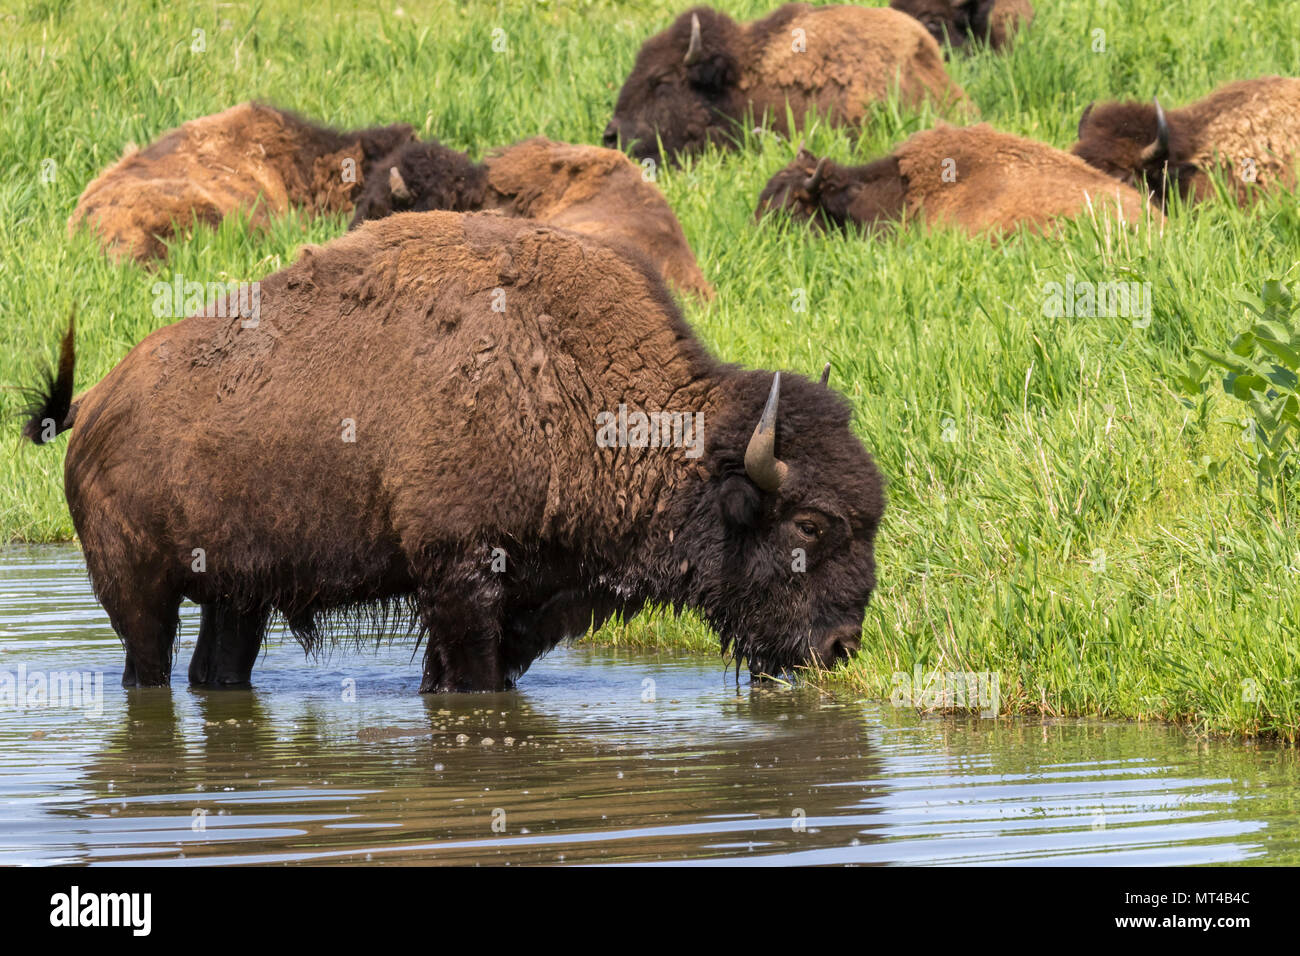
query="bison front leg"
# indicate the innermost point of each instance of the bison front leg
(227, 648)
(462, 620)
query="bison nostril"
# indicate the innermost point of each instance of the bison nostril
(610, 138)
(840, 646)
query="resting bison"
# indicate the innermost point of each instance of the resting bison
(974, 177)
(590, 190)
(468, 416)
(1249, 130)
(695, 82)
(250, 157)
(955, 21)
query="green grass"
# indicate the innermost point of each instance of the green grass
(1063, 537)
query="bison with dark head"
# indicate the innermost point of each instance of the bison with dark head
(825, 193)
(697, 81)
(955, 21)
(422, 177)
(505, 429)
(1248, 131)
(976, 178)
(588, 189)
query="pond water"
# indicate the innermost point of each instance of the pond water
(600, 756)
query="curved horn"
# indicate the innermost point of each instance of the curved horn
(696, 50)
(761, 464)
(813, 182)
(826, 376)
(1087, 111)
(1158, 151)
(397, 185)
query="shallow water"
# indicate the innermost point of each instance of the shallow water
(600, 756)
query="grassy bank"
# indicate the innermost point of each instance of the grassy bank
(1050, 519)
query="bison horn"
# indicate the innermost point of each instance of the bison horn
(1158, 151)
(813, 182)
(826, 375)
(695, 51)
(1087, 111)
(761, 464)
(397, 185)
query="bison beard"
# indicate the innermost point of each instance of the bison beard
(410, 429)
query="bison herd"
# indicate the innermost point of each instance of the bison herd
(408, 422)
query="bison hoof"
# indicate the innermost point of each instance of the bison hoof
(430, 686)
(220, 684)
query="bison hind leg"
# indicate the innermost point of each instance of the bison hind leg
(230, 639)
(145, 618)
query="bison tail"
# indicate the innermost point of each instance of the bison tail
(50, 410)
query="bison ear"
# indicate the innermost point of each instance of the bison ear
(739, 502)
(712, 73)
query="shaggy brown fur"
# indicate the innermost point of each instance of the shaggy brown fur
(998, 182)
(1248, 125)
(250, 157)
(852, 57)
(467, 359)
(955, 21)
(595, 191)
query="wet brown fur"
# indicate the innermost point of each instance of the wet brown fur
(471, 353)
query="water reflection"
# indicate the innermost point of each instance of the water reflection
(598, 757)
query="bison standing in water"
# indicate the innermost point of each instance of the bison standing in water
(1249, 130)
(695, 82)
(414, 420)
(975, 177)
(955, 21)
(250, 157)
(588, 189)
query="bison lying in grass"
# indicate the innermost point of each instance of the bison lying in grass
(975, 177)
(590, 190)
(695, 82)
(251, 157)
(463, 464)
(955, 21)
(1249, 130)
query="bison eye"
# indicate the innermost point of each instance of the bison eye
(808, 528)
